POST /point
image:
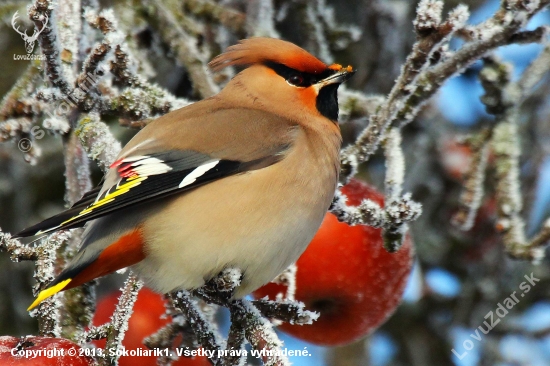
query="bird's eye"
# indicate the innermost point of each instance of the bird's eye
(296, 79)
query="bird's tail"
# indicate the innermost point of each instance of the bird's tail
(92, 263)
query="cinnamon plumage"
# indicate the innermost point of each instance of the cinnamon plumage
(242, 179)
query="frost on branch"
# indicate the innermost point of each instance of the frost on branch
(248, 323)
(399, 209)
(115, 330)
(429, 15)
(323, 33)
(167, 17)
(230, 18)
(471, 197)
(288, 279)
(367, 213)
(426, 51)
(260, 16)
(204, 332)
(98, 141)
(167, 335)
(119, 321)
(503, 98)
(425, 70)
(44, 255)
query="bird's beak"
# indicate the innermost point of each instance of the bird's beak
(342, 74)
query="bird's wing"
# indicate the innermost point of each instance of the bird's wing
(163, 159)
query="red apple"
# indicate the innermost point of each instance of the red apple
(348, 277)
(145, 320)
(42, 351)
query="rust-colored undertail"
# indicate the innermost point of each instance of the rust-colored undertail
(126, 251)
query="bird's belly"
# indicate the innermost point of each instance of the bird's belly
(261, 231)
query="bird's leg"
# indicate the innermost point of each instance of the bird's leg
(220, 289)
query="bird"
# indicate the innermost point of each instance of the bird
(242, 179)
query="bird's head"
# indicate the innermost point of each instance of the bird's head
(282, 76)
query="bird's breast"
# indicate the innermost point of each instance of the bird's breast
(259, 221)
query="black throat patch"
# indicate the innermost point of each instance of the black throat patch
(327, 102)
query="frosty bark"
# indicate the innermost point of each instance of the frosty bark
(121, 316)
(184, 46)
(470, 199)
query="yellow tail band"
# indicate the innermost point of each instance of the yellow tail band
(44, 294)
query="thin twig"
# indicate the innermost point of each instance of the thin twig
(120, 319)
(48, 39)
(206, 336)
(166, 19)
(214, 12)
(398, 209)
(97, 140)
(405, 101)
(472, 195)
(503, 98)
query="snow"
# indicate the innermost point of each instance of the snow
(233, 275)
(57, 125)
(428, 14)
(114, 37)
(67, 27)
(367, 213)
(459, 16)
(395, 164)
(304, 316)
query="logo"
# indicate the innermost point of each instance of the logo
(29, 40)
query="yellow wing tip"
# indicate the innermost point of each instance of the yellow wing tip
(44, 294)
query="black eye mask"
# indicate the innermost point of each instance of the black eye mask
(298, 78)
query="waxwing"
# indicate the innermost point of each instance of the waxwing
(239, 180)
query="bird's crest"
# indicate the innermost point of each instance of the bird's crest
(260, 49)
